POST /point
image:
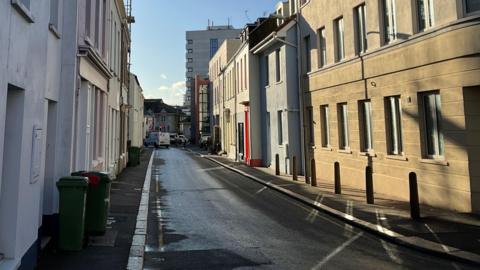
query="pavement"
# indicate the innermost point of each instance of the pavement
(447, 234)
(112, 250)
(207, 213)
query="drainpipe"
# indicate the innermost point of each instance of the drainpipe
(235, 112)
(222, 113)
(303, 147)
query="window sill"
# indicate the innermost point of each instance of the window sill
(96, 163)
(88, 40)
(368, 154)
(434, 162)
(397, 157)
(344, 151)
(304, 4)
(327, 148)
(472, 13)
(23, 10)
(53, 29)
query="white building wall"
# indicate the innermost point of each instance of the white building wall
(52, 96)
(135, 116)
(23, 75)
(115, 88)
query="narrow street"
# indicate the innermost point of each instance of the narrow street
(203, 216)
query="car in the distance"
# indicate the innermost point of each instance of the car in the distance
(163, 140)
(151, 139)
(173, 138)
(181, 139)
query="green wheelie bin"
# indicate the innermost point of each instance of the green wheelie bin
(73, 195)
(133, 156)
(98, 201)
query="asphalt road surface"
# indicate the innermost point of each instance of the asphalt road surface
(203, 216)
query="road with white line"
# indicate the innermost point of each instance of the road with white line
(203, 216)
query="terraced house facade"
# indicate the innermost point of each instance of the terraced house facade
(395, 85)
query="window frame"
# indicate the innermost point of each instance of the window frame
(280, 127)
(325, 125)
(245, 73)
(339, 41)
(54, 22)
(392, 21)
(361, 39)
(308, 53)
(365, 120)
(343, 127)
(322, 47)
(213, 46)
(88, 20)
(267, 70)
(428, 10)
(394, 125)
(465, 9)
(278, 75)
(311, 126)
(438, 140)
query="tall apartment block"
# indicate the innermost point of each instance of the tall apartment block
(201, 46)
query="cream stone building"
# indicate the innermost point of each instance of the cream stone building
(395, 84)
(222, 85)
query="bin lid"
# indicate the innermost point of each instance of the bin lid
(103, 176)
(73, 181)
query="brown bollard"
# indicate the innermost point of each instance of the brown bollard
(294, 168)
(313, 171)
(277, 164)
(369, 185)
(338, 186)
(414, 200)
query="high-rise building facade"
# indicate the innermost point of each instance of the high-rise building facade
(200, 47)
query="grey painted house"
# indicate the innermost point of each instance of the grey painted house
(280, 111)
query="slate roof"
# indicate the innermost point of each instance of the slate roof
(157, 106)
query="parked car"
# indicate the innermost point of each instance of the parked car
(181, 139)
(163, 140)
(173, 138)
(151, 139)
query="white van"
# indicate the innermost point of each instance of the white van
(163, 139)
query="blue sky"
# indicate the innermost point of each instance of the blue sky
(158, 37)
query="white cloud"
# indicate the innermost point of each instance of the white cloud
(163, 76)
(171, 94)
